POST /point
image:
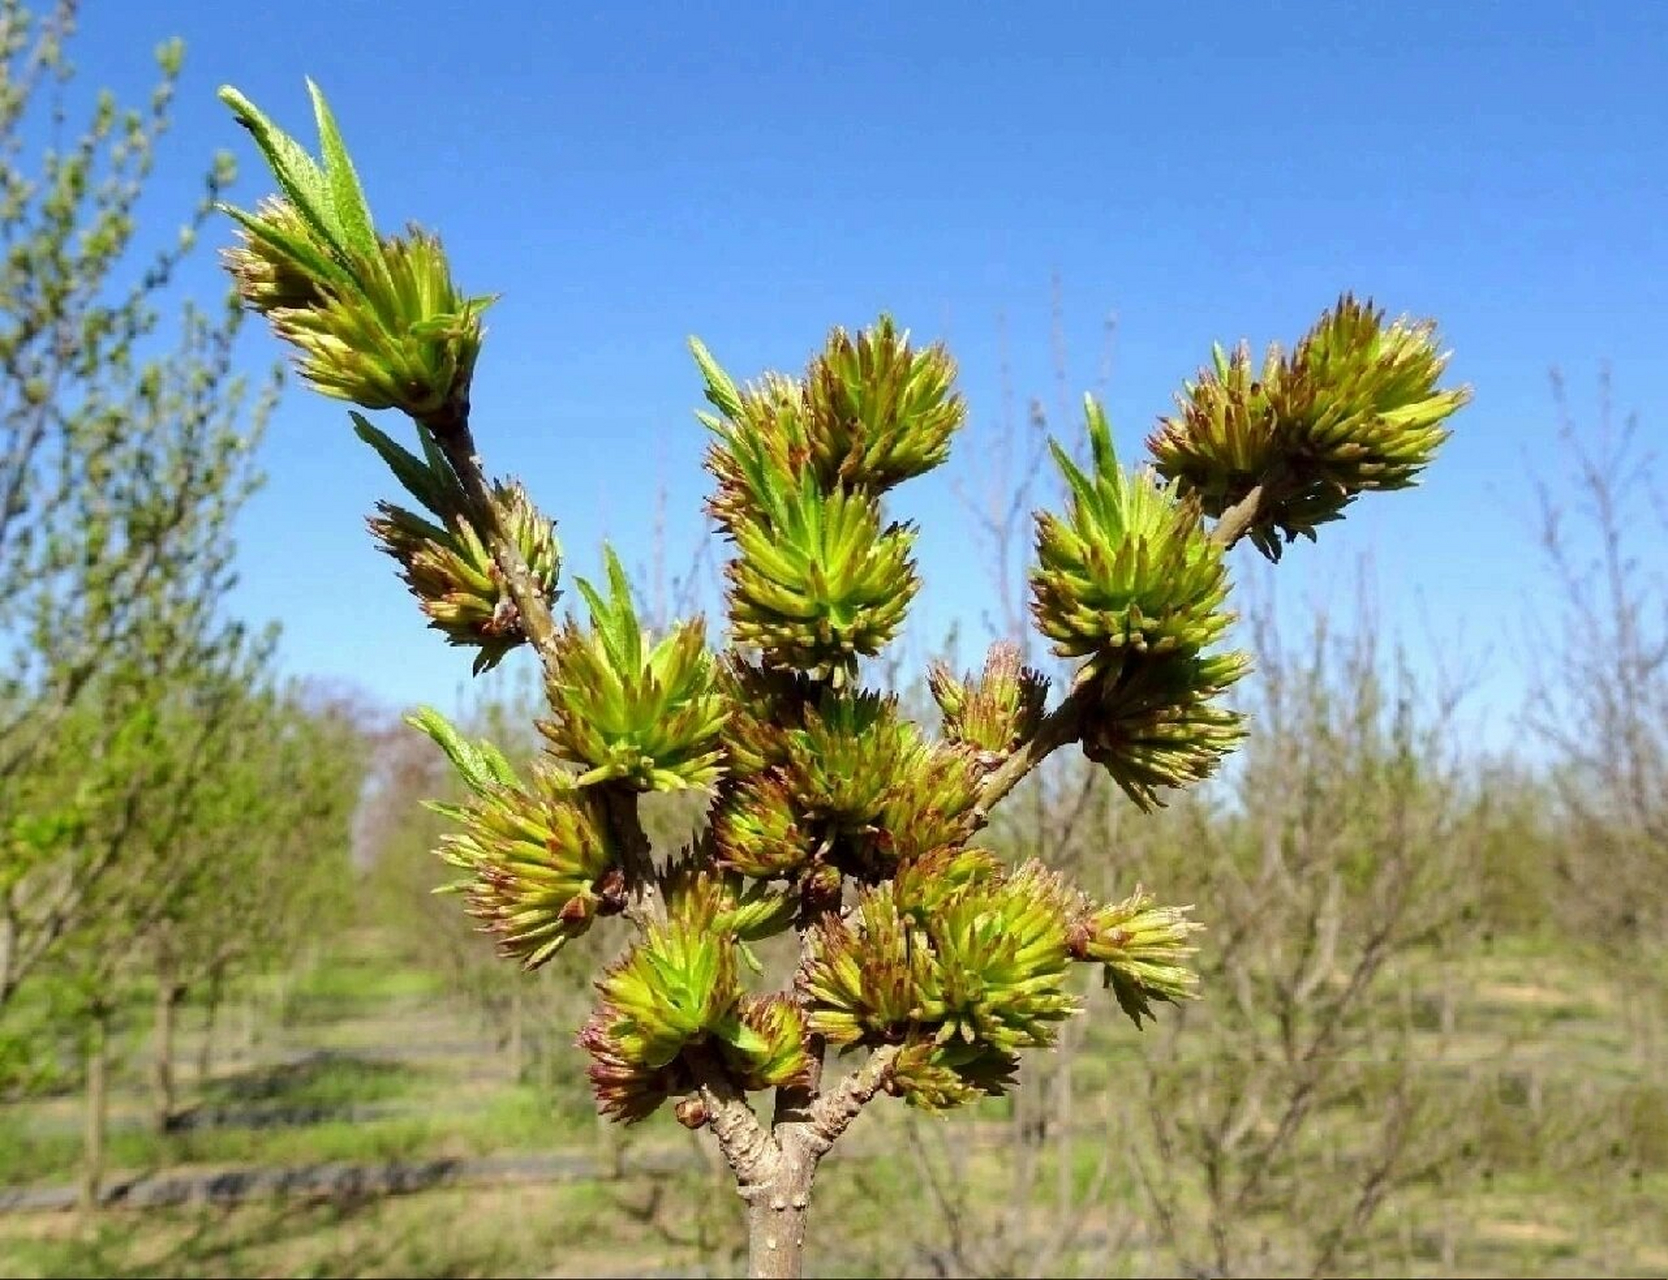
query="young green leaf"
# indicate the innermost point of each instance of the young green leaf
(301, 179)
(347, 197)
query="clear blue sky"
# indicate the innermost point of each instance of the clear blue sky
(628, 174)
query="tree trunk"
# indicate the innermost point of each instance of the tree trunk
(98, 1101)
(169, 996)
(776, 1218)
(205, 1051)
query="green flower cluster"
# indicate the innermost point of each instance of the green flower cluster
(819, 579)
(650, 717)
(963, 964)
(843, 784)
(375, 320)
(1354, 408)
(678, 990)
(994, 713)
(1132, 583)
(542, 865)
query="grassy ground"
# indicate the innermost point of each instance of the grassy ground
(364, 1031)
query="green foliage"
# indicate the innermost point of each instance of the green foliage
(121, 473)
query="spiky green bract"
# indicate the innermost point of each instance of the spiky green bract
(375, 320)
(965, 968)
(865, 787)
(996, 712)
(1355, 408)
(651, 718)
(542, 865)
(879, 412)
(1156, 725)
(677, 983)
(817, 580)
(676, 988)
(939, 1077)
(1132, 569)
(765, 1044)
(715, 898)
(448, 568)
(1144, 948)
(757, 830)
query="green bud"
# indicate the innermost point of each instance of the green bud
(879, 413)
(817, 580)
(1355, 408)
(867, 978)
(842, 764)
(677, 983)
(715, 898)
(1002, 961)
(756, 830)
(651, 718)
(1144, 949)
(1131, 570)
(1155, 724)
(457, 582)
(939, 1077)
(764, 1043)
(541, 863)
(996, 713)
(375, 320)
(764, 702)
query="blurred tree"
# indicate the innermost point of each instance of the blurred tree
(123, 462)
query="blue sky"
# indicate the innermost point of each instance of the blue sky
(626, 175)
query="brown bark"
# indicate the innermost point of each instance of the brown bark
(169, 997)
(98, 1104)
(776, 1212)
(211, 1015)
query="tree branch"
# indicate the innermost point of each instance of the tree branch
(1237, 520)
(752, 1154)
(832, 1113)
(1065, 723)
(452, 433)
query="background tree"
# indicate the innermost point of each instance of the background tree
(259, 858)
(123, 460)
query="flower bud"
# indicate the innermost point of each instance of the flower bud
(1131, 570)
(996, 713)
(651, 718)
(1144, 949)
(1355, 408)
